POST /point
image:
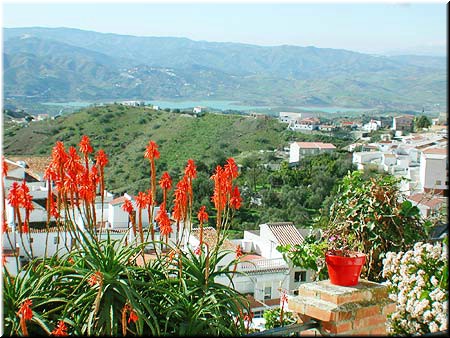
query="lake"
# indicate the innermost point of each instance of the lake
(217, 104)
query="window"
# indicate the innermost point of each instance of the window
(267, 292)
(300, 276)
(56, 240)
(438, 182)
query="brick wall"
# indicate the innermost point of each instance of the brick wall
(357, 310)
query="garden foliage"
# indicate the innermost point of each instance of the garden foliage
(111, 287)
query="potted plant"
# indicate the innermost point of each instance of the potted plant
(344, 264)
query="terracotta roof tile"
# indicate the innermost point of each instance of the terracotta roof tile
(120, 200)
(427, 200)
(286, 233)
(315, 145)
(210, 237)
(36, 164)
(438, 151)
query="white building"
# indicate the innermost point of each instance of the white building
(198, 110)
(306, 124)
(286, 117)
(372, 125)
(434, 170)
(298, 150)
(133, 103)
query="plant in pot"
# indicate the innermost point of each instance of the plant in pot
(344, 262)
(329, 255)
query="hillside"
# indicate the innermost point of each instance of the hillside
(124, 132)
(61, 64)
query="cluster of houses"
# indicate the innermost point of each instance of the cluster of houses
(307, 122)
(420, 159)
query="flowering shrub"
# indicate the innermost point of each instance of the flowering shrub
(417, 280)
(97, 287)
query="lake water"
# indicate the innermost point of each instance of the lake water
(217, 104)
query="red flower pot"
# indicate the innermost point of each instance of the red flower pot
(344, 271)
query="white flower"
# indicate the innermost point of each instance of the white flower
(433, 327)
(434, 281)
(427, 316)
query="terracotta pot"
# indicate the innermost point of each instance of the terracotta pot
(345, 271)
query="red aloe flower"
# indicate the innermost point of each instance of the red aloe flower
(101, 158)
(4, 226)
(127, 206)
(180, 202)
(60, 330)
(85, 145)
(198, 250)
(133, 316)
(141, 203)
(95, 278)
(166, 181)
(235, 200)
(4, 167)
(202, 215)
(59, 154)
(25, 228)
(191, 170)
(149, 198)
(239, 251)
(14, 196)
(141, 200)
(166, 184)
(164, 222)
(283, 299)
(25, 310)
(151, 152)
(231, 168)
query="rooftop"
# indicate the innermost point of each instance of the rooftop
(286, 233)
(210, 237)
(315, 145)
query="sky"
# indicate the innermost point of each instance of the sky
(369, 27)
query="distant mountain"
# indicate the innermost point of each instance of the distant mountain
(61, 64)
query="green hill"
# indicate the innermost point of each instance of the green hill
(124, 132)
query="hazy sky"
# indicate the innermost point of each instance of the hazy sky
(365, 27)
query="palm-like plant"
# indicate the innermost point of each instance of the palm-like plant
(32, 288)
(102, 278)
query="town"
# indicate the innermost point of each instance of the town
(418, 158)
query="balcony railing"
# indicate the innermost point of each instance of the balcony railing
(288, 330)
(256, 265)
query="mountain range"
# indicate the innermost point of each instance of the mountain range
(65, 64)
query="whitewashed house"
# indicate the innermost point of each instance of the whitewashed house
(305, 124)
(286, 117)
(434, 170)
(298, 150)
(372, 125)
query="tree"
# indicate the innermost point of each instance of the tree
(421, 122)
